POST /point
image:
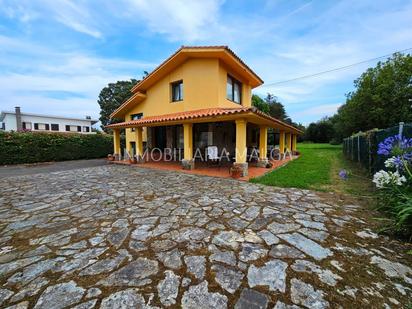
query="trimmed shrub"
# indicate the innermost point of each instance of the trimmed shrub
(32, 147)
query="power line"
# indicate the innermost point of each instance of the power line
(333, 70)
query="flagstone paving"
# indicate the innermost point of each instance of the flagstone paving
(120, 237)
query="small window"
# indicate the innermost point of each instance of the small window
(135, 117)
(42, 126)
(177, 91)
(79, 128)
(233, 90)
(86, 129)
(26, 125)
(73, 128)
(54, 127)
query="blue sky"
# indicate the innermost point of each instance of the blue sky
(56, 55)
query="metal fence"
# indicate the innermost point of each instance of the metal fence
(363, 147)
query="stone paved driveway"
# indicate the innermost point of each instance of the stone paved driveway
(116, 237)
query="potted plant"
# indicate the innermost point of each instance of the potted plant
(236, 172)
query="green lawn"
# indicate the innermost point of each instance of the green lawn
(317, 168)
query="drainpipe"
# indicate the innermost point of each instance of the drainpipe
(18, 118)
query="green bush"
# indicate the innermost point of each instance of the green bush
(32, 147)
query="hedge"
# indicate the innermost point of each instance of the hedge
(32, 147)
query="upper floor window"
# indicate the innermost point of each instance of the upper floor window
(136, 116)
(233, 89)
(177, 91)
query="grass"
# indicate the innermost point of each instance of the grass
(317, 169)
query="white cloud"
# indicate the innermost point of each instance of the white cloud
(178, 20)
(34, 72)
(74, 15)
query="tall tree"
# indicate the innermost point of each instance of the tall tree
(380, 99)
(111, 97)
(276, 109)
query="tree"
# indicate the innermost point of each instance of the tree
(271, 106)
(321, 131)
(261, 105)
(276, 109)
(380, 99)
(111, 97)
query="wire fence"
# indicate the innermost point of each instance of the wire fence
(363, 147)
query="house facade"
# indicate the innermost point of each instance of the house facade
(197, 98)
(17, 121)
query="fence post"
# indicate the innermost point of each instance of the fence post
(401, 124)
(358, 148)
(353, 149)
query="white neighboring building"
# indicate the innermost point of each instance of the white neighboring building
(15, 121)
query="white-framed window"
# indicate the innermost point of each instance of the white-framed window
(86, 129)
(233, 90)
(177, 91)
(26, 125)
(42, 126)
(70, 128)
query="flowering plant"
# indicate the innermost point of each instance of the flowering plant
(399, 151)
(395, 184)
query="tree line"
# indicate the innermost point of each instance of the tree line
(382, 98)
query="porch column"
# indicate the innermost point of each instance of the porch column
(139, 144)
(116, 144)
(129, 149)
(188, 162)
(288, 141)
(263, 146)
(294, 142)
(281, 142)
(149, 134)
(241, 149)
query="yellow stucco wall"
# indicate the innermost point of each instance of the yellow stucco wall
(204, 86)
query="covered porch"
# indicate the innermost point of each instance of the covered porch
(211, 141)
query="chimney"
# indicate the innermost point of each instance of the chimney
(18, 118)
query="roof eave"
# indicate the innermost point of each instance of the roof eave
(257, 81)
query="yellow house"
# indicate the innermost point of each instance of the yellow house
(198, 98)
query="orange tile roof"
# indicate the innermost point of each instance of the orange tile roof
(195, 114)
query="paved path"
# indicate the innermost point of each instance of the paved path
(116, 237)
(48, 167)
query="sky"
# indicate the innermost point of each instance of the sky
(56, 55)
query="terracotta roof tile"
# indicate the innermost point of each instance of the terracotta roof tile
(200, 113)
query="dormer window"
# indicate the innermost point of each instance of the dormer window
(233, 89)
(177, 91)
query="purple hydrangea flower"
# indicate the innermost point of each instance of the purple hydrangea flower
(343, 174)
